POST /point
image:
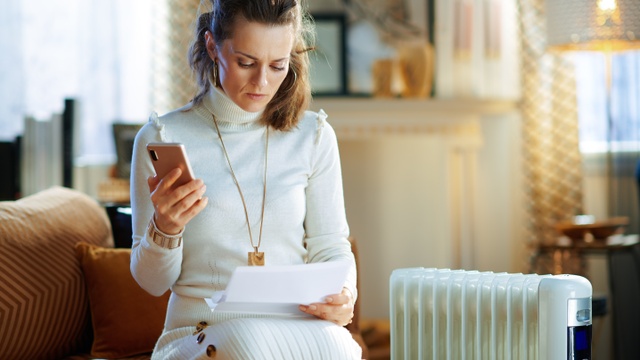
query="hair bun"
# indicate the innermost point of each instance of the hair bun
(204, 21)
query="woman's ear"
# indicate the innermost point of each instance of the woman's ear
(211, 45)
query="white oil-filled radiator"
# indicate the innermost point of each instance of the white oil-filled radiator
(460, 315)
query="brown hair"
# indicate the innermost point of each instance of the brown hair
(294, 95)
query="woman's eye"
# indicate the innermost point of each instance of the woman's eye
(247, 65)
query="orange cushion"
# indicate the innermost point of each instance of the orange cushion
(126, 319)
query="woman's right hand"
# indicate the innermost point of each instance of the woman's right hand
(175, 207)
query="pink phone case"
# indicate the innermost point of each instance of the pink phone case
(168, 156)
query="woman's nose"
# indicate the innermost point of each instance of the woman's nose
(260, 78)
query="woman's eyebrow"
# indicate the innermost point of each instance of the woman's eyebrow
(256, 59)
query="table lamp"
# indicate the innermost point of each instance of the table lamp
(593, 25)
(606, 26)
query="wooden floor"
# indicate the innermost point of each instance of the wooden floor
(377, 337)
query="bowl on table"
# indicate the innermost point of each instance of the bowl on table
(581, 227)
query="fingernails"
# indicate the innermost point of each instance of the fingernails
(313, 307)
(329, 299)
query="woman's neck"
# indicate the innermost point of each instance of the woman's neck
(226, 111)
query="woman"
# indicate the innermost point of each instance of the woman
(268, 190)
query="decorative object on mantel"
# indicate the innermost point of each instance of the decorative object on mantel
(390, 33)
(416, 64)
(382, 77)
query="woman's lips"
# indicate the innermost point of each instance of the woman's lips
(254, 96)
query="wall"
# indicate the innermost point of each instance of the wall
(394, 200)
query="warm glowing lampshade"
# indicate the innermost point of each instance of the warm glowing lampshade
(599, 25)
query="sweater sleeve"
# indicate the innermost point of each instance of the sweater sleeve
(325, 223)
(155, 268)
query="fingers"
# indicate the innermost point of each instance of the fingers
(338, 308)
(153, 182)
(167, 182)
(338, 299)
(172, 219)
(176, 206)
(339, 313)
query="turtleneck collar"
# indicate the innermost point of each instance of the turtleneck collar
(228, 113)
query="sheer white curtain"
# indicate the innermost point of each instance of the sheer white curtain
(98, 52)
(11, 68)
(476, 44)
(611, 146)
(596, 134)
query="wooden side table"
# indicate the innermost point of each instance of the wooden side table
(569, 259)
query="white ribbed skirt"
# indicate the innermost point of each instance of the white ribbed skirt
(246, 337)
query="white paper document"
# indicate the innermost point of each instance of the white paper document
(279, 289)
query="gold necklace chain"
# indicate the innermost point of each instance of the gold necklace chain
(244, 204)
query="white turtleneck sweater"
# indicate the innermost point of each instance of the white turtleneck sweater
(304, 218)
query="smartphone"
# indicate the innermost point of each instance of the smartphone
(168, 156)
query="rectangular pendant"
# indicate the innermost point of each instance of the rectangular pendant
(255, 258)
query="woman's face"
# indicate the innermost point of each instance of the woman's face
(252, 64)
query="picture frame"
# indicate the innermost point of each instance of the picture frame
(124, 134)
(328, 70)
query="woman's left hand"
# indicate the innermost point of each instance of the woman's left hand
(338, 308)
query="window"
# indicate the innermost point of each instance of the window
(598, 133)
(98, 52)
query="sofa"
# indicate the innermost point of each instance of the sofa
(66, 292)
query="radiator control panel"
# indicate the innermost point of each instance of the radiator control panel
(579, 328)
(579, 341)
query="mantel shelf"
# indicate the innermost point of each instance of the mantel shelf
(357, 117)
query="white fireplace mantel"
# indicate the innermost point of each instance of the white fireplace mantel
(453, 133)
(364, 117)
